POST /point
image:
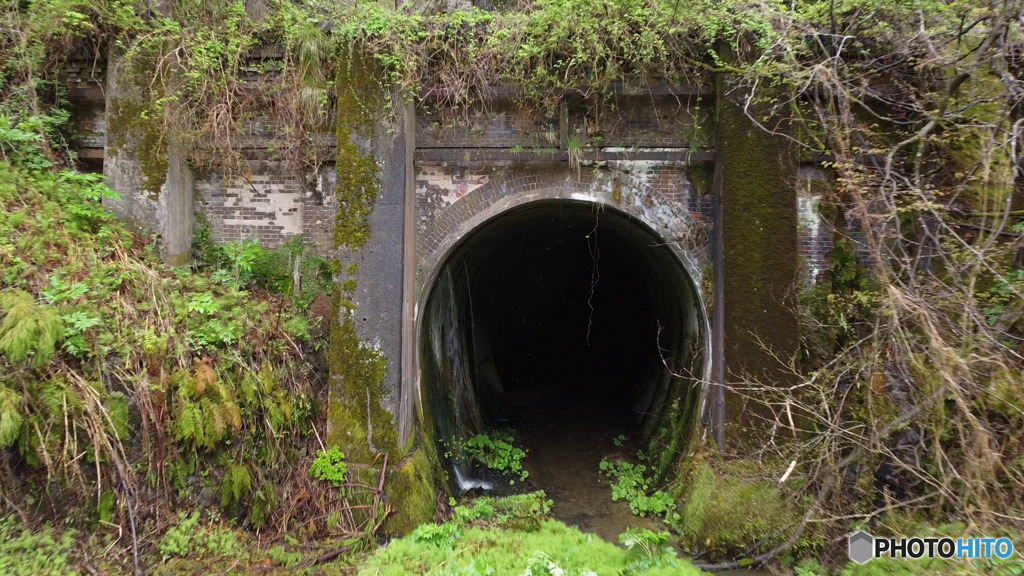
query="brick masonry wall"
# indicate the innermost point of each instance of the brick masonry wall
(497, 124)
(441, 186)
(85, 79)
(270, 206)
(644, 121)
(471, 160)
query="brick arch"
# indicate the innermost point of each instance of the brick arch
(686, 235)
(668, 218)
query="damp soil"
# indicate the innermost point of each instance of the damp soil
(567, 434)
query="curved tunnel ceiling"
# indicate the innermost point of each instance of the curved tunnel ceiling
(562, 306)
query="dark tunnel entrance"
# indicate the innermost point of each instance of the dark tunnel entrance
(570, 323)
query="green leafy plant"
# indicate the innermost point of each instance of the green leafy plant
(10, 416)
(519, 511)
(241, 257)
(76, 324)
(645, 550)
(329, 466)
(61, 291)
(25, 552)
(22, 143)
(237, 482)
(204, 303)
(630, 483)
(540, 564)
(497, 452)
(191, 539)
(179, 388)
(440, 535)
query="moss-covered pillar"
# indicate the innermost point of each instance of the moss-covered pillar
(757, 256)
(366, 397)
(151, 174)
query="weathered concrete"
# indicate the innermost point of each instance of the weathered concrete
(759, 266)
(375, 300)
(158, 202)
(142, 210)
(177, 232)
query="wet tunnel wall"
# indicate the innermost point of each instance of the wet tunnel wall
(562, 307)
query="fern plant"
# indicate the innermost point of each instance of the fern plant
(237, 482)
(28, 330)
(10, 416)
(206, 412)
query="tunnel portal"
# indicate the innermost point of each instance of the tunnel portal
(558, 314)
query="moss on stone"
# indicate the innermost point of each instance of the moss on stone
(356, 190)
(759, 244)
(732, 508)
(410, 488)
(128, 126)
(972, 156)
(357, 420)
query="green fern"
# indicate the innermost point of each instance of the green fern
(10, 416)
(28, 327)
(188, 426)
(206, 422)
(236, 483)
(264, 501)
(117, 408)
(59, 400)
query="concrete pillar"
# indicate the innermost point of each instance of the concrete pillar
(151, 175)
(178, 192)
(757, 260)
(371, 349)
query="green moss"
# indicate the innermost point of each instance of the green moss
(759, 239)
(731, 508)
(357, 420)
(986, 169)
(356, 190)
(360, 97)
(411, 491)
(480, 550)
(128, 127)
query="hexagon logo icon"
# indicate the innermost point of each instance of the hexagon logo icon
(861, 547)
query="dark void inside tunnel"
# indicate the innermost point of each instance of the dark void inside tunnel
(567, 322)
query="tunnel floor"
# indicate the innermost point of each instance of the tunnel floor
(557, 320)
(564, 451)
